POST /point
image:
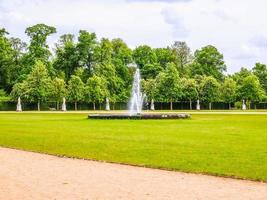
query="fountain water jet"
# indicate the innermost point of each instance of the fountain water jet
(136, 104)
(137, 98)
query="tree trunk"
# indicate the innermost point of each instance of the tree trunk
(113, 106)
(94, 105)
(75, 105)
(38, 105)
(229, 105)
(210, 105)
(57, 105)
(100, 106)
(171, 105)
(190, 104)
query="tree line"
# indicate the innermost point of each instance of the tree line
(88, 69)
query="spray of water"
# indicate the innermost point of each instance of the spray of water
(136, 102)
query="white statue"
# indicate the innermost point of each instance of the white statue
(152, 106)
(198, 105)
(64, 105)
(19, 106)
(244, 107)
(107, 104)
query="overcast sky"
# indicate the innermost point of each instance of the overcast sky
(238, 28)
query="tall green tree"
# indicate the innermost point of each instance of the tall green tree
(149, 87)
(114, 83)
(260, 70)
(104, 51)
(18, 56)
(228, 91)
(121, 51)
(19, 90)
(5, 60)
(38, 49)
(121, 58)
(165, 56)
(75, 90)
(250, 90)
(87, 44)
(168, 85)
(37, 86)
(182, 55)
(67, 58)
(107, 69)
(189, 90)
(58, 90)
(239, 77)
(144, 55)
(19, 48)
(208, 61)
(150, 71)
(96, 90)
(209, 90)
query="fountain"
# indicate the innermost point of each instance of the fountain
(19, 105)
(137, 98)
(136, 104)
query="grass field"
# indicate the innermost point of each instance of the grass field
(225, 145)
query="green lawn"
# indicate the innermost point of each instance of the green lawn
(225, 145)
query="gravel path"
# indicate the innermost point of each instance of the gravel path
(26, 175)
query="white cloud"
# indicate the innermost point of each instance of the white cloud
(237, 28)
(176, 22)
(259, 41)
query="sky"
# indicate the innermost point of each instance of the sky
(238, 28)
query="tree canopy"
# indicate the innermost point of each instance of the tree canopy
(209, 90)
(228, 91)
(36, 87)
(169, 87)
(86, 68)
(38, 48)
(209, 62)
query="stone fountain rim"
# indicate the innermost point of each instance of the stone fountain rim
(139, 116)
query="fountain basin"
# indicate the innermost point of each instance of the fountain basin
(140, 116)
